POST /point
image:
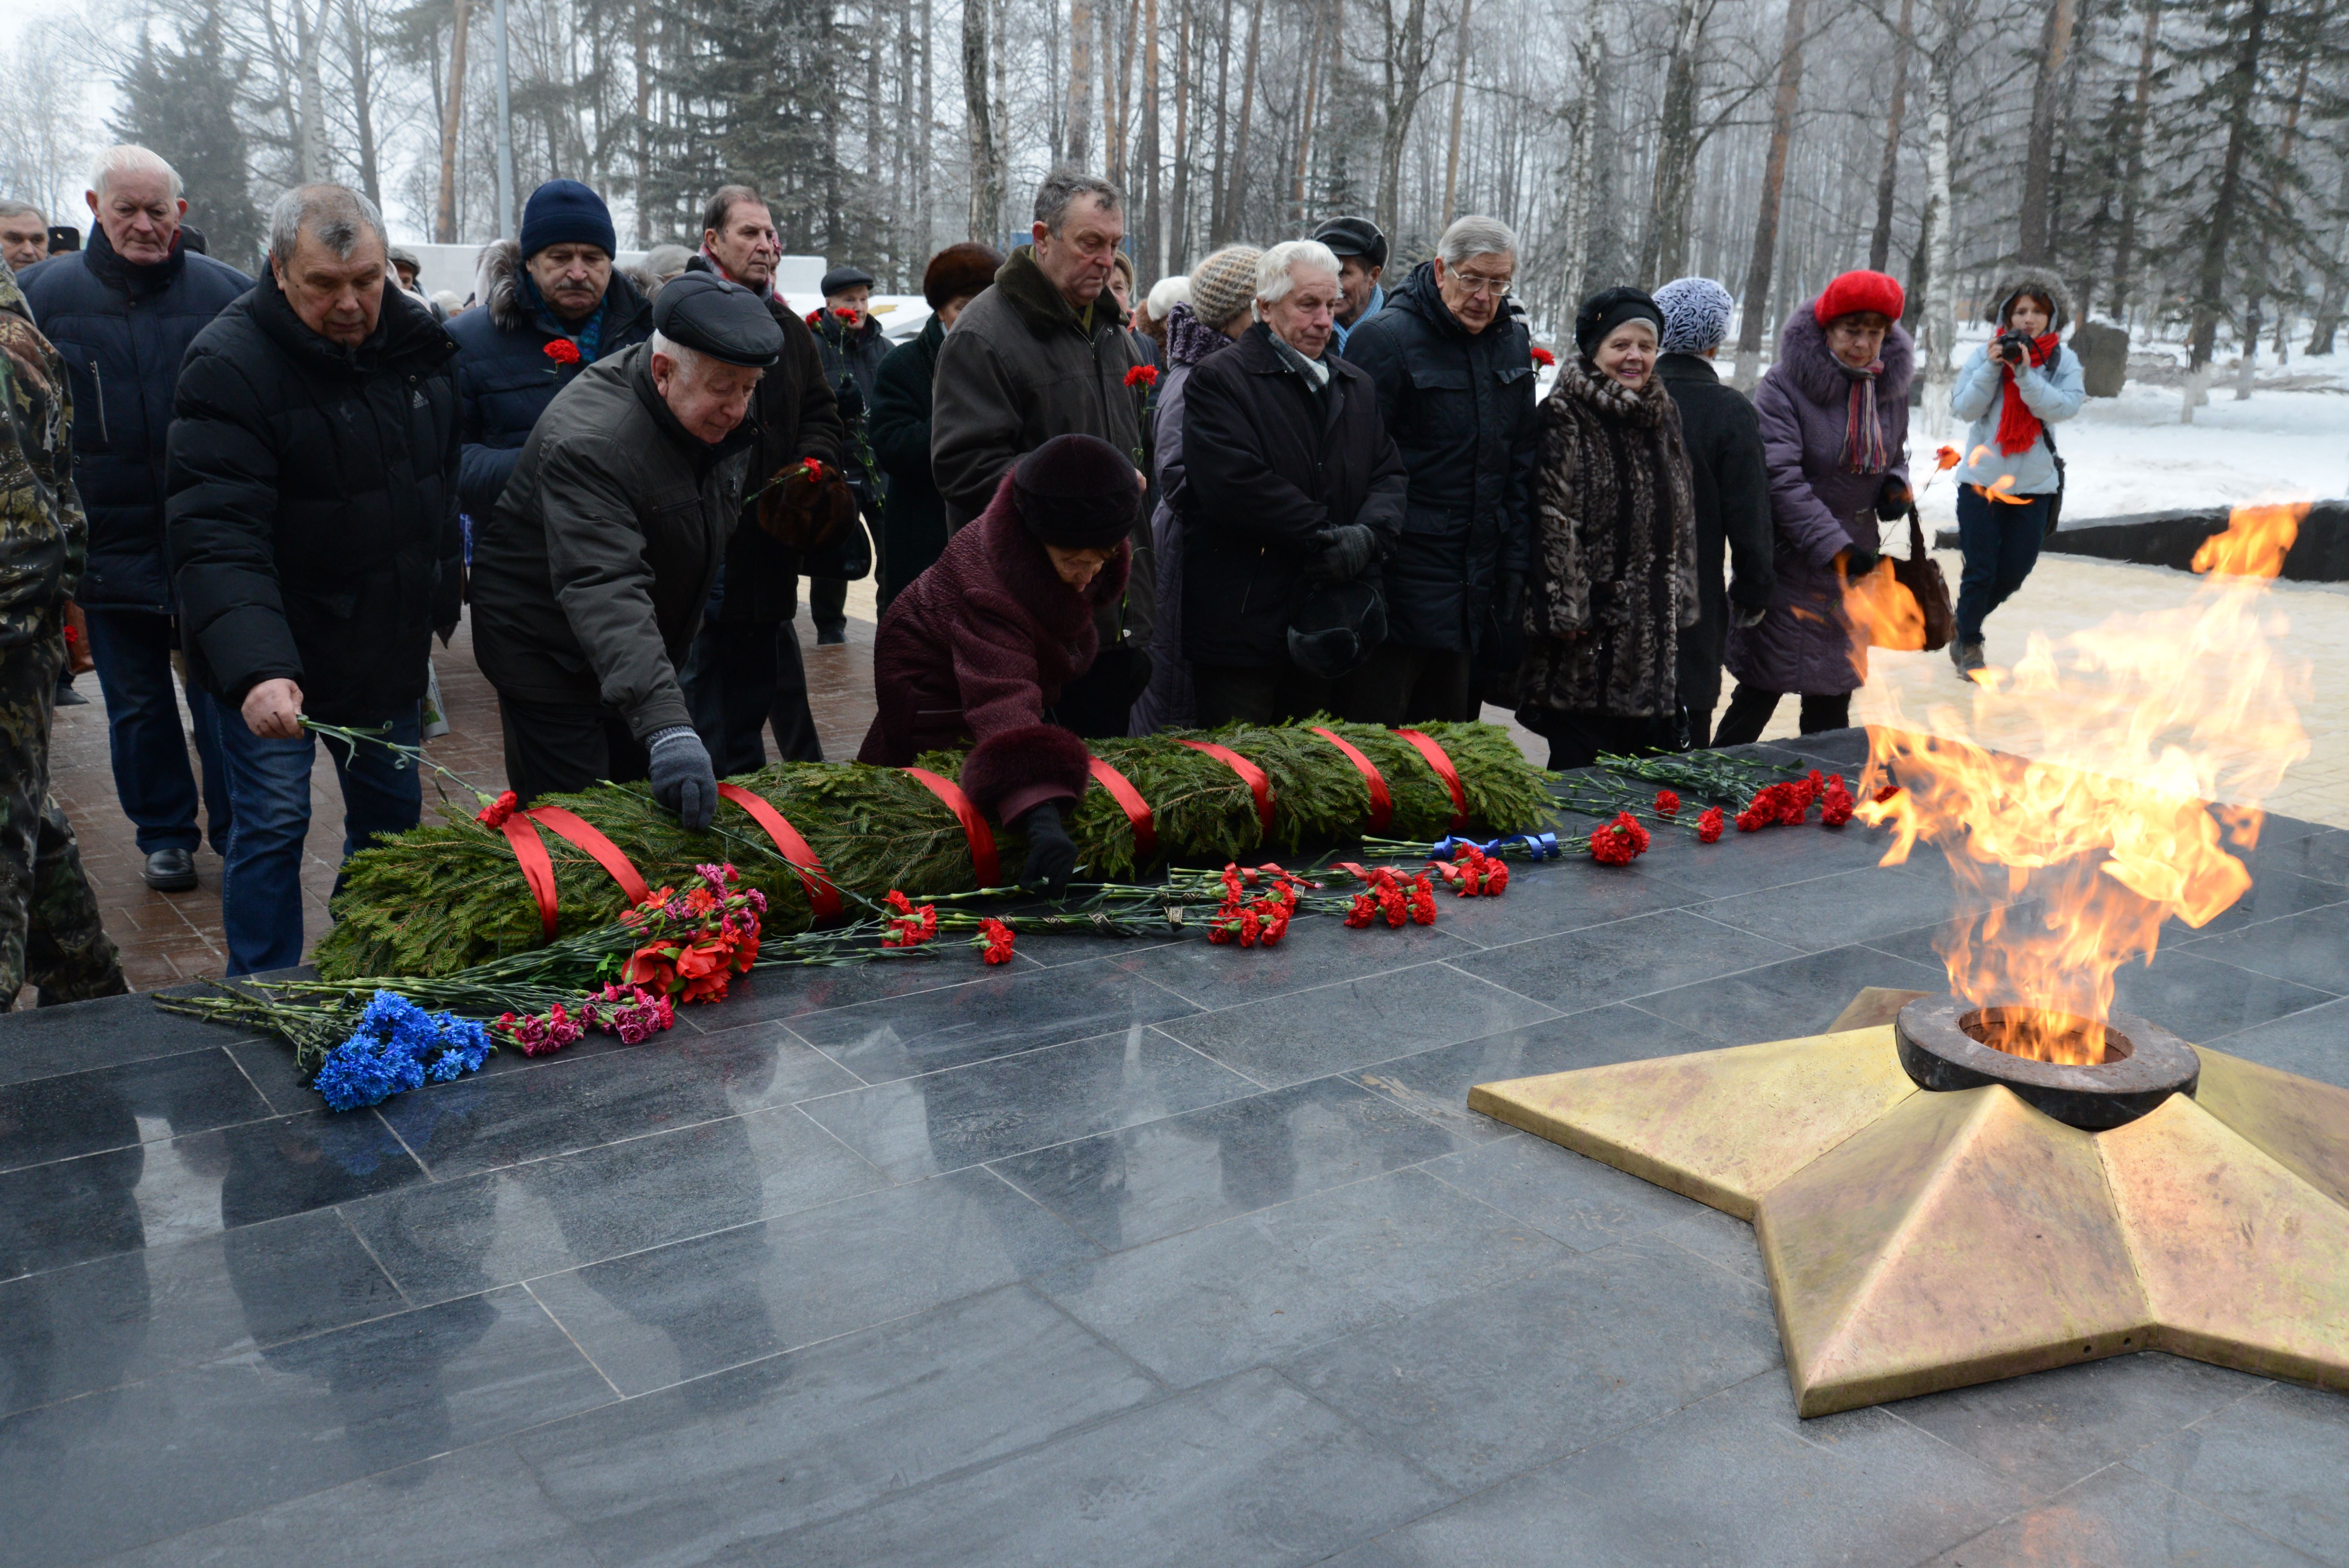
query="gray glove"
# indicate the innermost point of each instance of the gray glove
(683, 780)
(1347, 552)
(1749, 619)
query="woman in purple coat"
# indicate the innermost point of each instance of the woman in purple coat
(1835, 435)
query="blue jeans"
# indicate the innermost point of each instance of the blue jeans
(269, 782)
(2000, 541)
(132, 649)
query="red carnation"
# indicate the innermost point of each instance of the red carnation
(1887, 793)
(1620, 842)
(997, 937)
(1836, 805)
(847, 315)
(1666, 803)
(1543, 356)
(1143, 376)
(563, 351)
(815, 319)
(495, 813)
(1496, 878)
(1708, 826)
(1365, 910)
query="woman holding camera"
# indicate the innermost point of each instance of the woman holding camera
(2014, 386)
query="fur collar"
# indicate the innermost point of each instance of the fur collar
(497, 287)
(2035, 281)
(1581, 381)
(1811, 368)
(1026, 573)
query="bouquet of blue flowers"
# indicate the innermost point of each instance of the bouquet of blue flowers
(397, 1047)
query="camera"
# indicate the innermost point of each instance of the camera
(2012, 346)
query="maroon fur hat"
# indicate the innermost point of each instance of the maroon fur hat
(1078, 493)
(959, 272)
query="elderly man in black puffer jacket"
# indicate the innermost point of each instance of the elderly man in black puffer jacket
(311, 531)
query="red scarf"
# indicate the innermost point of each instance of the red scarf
(2018, 427)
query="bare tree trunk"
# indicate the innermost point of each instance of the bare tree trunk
(1758, 270)
(986, 161)
(1179, 236)
(1121, 165)
(1665, 251)
(2326, 324)
(1081, 81)
(2219, 224)
(1215, 227)
(1405, 63)
(1234, 197)
(362, 107)
(313, 151)
(644, 85)
(1296, 212)
(2054, 43)
(1888, 173)
(453, 117)
(1154, 234)
(1937, 244)
(2133, 180)
(1459, 104)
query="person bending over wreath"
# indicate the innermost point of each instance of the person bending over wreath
(976, 651)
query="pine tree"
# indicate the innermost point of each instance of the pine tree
(756, 94)
(182, 104)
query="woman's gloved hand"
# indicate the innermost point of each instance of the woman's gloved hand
(1893, 500)
(683, 780)
(1051, 853)
(1858, 561)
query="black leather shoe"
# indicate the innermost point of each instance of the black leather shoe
(831, 636)
(170, 871)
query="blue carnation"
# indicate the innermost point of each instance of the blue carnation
(395, 1048)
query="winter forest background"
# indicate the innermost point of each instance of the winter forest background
(2184, 166)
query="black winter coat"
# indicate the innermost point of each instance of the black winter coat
(590, 577)
(915, 516)
(1270, 464)
(504, 378)
(1732, 489)
(1460, 406)
(795, 417)
(311, 525)
(123, 331)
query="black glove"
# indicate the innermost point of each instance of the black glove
(1347, 552)
(683, 780)
(2012, 347)
(1858, 561)
(1749, 615)
(1051, 853)
(1893, 498)
(851, 399)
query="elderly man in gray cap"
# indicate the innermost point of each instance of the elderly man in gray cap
(590, 577)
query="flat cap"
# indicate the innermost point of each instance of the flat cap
(1354, 237)
(703, 311)
(840, 280)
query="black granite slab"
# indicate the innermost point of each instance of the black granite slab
(1147, 1253)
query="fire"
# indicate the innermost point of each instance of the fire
(2156, 737)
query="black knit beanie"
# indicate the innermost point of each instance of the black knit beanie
(1078, 493)
(1607, 309)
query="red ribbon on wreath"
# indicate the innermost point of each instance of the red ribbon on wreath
(823, 899)
(974, 825)
(1381, 803)
(1444, 770)
(1250, 774)
(587, 836)
(1137, 810)
(537, 869)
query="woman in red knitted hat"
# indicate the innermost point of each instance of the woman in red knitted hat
(1835, 434)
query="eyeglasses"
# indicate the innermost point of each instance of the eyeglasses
(1477, 284)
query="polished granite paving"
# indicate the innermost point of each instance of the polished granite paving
(1125, 1254)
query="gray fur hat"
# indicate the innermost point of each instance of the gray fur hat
(1696, 315)
(2031, 281)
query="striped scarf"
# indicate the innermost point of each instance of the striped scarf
(1863, 437)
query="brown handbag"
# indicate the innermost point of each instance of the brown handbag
(1922, 575)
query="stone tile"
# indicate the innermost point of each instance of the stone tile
(1479, 1388)
(785, 994)
(1336, 1029)
(137, 1314)
(657, 1317)
(71, 1211)
(1315, 953)
(1731, 1478)
(120, 1469)
(2310, 948)
(480, 1123)
(1773, 858)
(1837, 911)
(445, 1239)
(2116, 1516)
(2271, 897)
(1436, 1084)
(455, 1510)
(1557, 896)
(2313, 1043)
(2047, 1431)
(1561, 1193)
(1209, 1303)
(1248, 1471)
(2200, 998)
(2323, 854)
(41, 1042)
(1583, 969)
(268, 1065)
(993, 1109)
(930, 1031)
(742, 1458)
(1127, 1188)
(1788, 1000)
(118, 1107)
(1369, 1554)
(2277, 1461)
(1719, 1239)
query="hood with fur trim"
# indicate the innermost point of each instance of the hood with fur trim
(1813, 369)
(497, 288)
(2030, 280)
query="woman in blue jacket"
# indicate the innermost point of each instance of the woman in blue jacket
(2014, 387)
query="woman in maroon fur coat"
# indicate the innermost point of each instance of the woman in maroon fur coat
(974, 651)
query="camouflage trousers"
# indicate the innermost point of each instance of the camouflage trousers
(50, 933)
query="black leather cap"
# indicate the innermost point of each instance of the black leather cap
(703, 311)
(1354, 237)
(841, 279)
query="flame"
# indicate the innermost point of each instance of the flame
(2082, 849)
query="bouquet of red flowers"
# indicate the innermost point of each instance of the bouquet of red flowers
(699, 938)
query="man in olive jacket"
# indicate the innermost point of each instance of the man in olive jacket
(590, 577)
(1045, 352)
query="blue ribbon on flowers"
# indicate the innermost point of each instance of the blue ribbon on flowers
(1538, 846)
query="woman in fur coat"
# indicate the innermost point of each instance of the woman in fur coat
(1613, 579)
(977, 650)
(1834, 437)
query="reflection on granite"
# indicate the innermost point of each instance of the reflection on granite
(1162, 1254)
